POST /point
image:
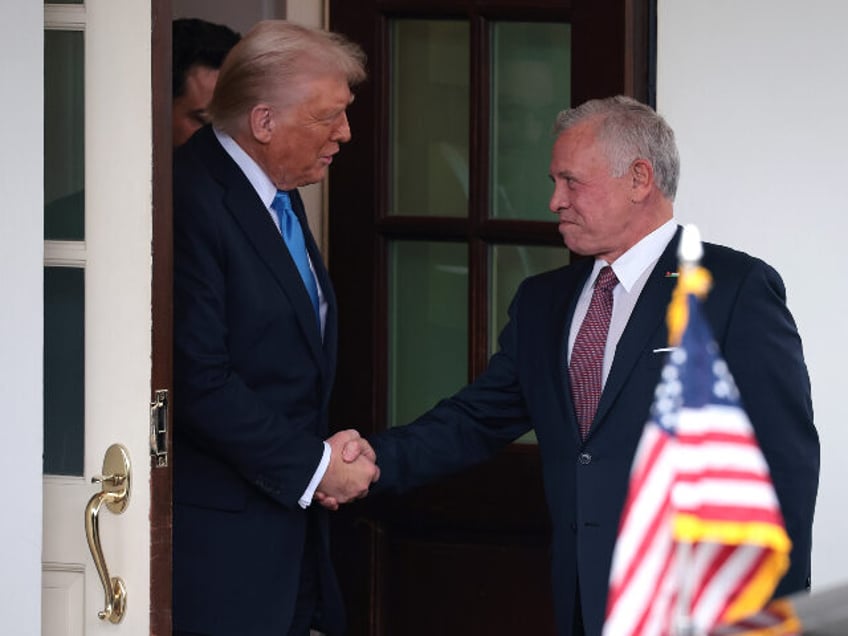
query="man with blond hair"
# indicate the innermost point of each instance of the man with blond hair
(255, 344)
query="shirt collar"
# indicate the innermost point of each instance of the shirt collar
(257, 177)
(630, 266)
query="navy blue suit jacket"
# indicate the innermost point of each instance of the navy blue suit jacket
(252, 383)
(526, 385)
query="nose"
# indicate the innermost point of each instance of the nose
(559, 198)
(342, 132)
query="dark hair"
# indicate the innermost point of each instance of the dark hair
(198, 43)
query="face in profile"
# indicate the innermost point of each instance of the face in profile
(306, 135)
(595, 217)
(189, 109)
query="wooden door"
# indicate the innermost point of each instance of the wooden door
(437, 210)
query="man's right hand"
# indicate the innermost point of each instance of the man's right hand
(350, 473)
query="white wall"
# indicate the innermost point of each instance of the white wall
(21, 247)
(755, 91)
(239, 16)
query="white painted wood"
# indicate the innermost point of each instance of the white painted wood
(63, 594)
(117, 261)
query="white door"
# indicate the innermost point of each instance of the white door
(97, 306)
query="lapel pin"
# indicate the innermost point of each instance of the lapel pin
(672, 274)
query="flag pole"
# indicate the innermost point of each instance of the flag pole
(692, 279)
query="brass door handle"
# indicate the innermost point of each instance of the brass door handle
(115, 493)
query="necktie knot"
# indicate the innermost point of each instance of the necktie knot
(606, 279)
(293, 236)
(285, 214)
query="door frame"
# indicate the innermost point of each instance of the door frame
(161, 373)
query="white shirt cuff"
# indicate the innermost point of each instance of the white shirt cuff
(306, 498)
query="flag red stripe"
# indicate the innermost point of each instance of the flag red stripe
(667, 570)
(654, 453)
(730, 513)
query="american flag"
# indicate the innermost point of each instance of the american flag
(701, 539)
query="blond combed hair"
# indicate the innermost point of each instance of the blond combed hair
(271, 63)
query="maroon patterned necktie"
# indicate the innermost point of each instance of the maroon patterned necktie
(587, 356)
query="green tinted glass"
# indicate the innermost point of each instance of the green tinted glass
(531, 83)
(64, 151)
(429, 118)
(428, 325)
(64, 370)
(511, 264)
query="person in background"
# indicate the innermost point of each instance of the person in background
(255, 334)
(581, 356)
(198, 50)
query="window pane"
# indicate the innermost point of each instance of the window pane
(64, 369)
(531, 83)
(511, 264)
(429, 118)
(428, 325)
(64, 172)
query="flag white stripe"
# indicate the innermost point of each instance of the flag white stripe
(695, 458)
(644, 509)
(714, 597)
(713, 418)
(641, 590)
(723, 492)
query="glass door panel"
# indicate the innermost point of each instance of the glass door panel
(64, 366)
(429, 118)
(530, 84)
(64, 136)
(428, 325)
(511, 264)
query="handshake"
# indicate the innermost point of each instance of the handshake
(351, 471)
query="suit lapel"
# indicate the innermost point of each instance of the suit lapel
(251, 215)
(645, 329)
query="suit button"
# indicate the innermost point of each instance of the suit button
(573, 526)
(584, 458)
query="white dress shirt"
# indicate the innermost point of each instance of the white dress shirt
(632, 270)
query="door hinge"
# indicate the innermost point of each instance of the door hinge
(159, 429)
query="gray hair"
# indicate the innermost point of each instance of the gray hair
(270, 64)
(629, 130)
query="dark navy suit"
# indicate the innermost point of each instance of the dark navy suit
(526, 385)
(252, 384)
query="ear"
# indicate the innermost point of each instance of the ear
(261, 123)
(642, 179)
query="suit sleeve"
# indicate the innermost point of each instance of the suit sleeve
(272, 446)
(462, 430)
(763, 350)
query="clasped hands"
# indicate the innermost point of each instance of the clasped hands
(351, 471)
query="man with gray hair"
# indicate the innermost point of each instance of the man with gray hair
(255, 330)
(581, 355)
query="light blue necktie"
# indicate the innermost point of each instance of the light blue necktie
(293, 236)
